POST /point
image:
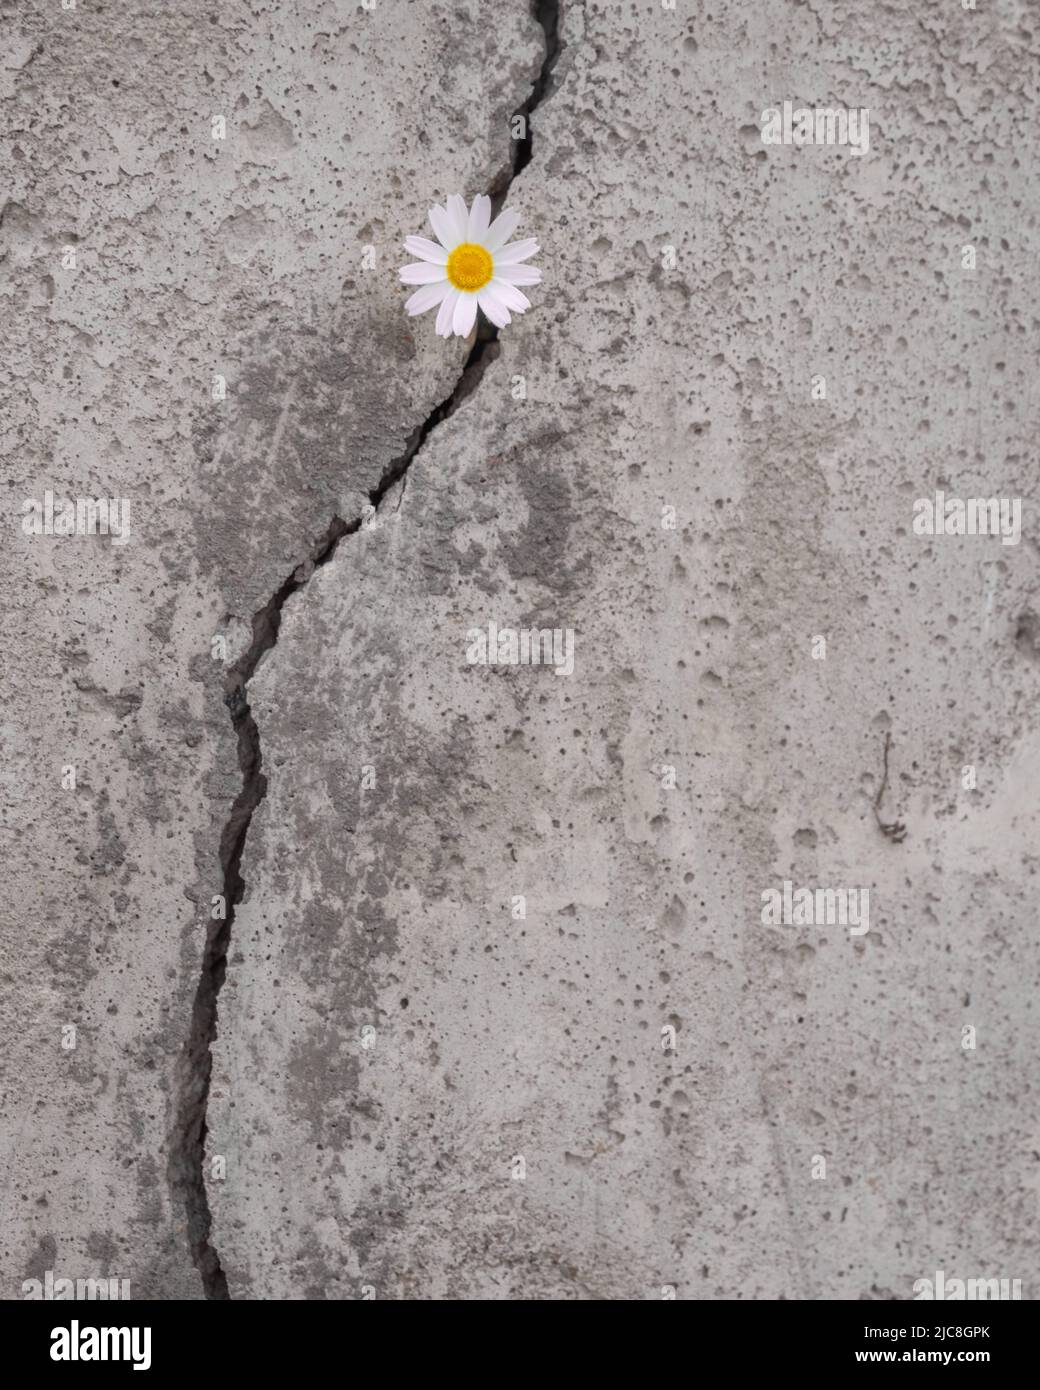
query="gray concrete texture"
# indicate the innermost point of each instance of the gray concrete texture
(493, 1013)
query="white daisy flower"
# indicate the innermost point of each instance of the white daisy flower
(470, 264)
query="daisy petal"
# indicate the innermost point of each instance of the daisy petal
(493, 307)
(465, 315)
(503, 227)
(518, 274)
(516, 251)
(479, 217)
(443, 228)
(426, 250)
(459, 215)
(510, 296)
(427, 296)
(446, 313)
(422, 273)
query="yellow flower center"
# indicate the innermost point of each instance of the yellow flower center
(470, 267)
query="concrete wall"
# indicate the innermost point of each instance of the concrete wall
(492, 1011)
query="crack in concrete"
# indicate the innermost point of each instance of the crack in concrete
(895, 830)
(188, 1146)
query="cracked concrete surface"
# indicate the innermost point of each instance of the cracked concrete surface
(500, 1016)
